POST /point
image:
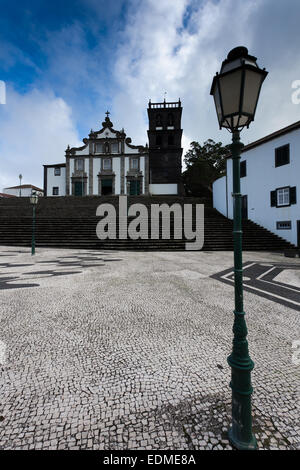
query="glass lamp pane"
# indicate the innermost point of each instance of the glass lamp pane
(243, 120)
(33, 198)
(218, 103)
(236, 120)
(230, 88)
(253, 82)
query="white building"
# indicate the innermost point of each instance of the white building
(270, 184)
(106, 164)
(23, 190)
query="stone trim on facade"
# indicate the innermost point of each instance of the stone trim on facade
(67, 175)
(91, 173)
(122, 174)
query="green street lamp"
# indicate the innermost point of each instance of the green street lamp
(20, 178)
(33, 200)
(236, 91)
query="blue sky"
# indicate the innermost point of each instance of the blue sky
(62, 46)
(66, 62)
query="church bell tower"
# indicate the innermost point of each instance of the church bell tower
(165, 149)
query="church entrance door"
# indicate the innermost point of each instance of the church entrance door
(78, 188)
(107, 187)
(134, 188)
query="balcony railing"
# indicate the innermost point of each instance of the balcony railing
(172, 104)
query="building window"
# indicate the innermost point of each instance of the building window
(283, 197)
(243, 169)
(55, 191)
(57, 171)
(134, 164)
(114, 147)
(286, 225)
(282, 155)
(80, 164)
(99, 148)
(107, 164)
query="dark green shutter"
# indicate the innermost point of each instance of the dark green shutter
(282, 155)
(273, 198)
(293, 196)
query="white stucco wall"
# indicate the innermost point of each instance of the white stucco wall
(25, 192)
(129, 150)
(219, 195)
(56, 181)
(163, 189)
(262, 178)
(84, 151)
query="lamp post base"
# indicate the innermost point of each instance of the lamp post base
(240, 445)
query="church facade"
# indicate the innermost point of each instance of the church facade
(109, 164)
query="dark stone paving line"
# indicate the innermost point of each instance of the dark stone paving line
(270, 289)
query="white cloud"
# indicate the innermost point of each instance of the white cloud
(160, 52)
(167, 45)
(35, 129)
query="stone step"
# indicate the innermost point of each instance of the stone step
(71, 222)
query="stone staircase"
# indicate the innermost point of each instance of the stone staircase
(70, 222)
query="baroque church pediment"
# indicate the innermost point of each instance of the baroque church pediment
(107, 131)
(84, 150)
(105, 134)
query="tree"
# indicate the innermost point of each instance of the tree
(204, 164)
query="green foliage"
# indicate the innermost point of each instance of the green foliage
(204, 164)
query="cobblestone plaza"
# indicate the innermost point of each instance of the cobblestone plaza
(126, 350)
